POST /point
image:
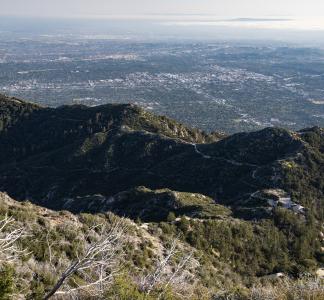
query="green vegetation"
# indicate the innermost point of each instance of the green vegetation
(159, 205)
(7, 283)
(303, 178)
(219, 201)
(234, 255)
(97, 153)
(287, 244)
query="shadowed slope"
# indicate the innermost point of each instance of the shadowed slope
(72, 152)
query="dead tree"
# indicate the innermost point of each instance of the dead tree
(9, 251)
(167, 274)
(97, 265)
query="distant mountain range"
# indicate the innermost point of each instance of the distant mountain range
(81, 159)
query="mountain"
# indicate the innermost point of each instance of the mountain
(246, 206)
(51, 156)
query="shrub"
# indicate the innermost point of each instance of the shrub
(123, 288)
(171, 217)
(7, 285)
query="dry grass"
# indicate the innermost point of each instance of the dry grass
(305, 288)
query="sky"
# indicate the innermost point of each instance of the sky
(284, 20)
(137, 8)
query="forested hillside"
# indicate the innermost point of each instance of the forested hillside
(155, 198)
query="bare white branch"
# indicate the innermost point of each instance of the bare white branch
(9, 250)
(167, 274)
(49, 247)
(96, 266)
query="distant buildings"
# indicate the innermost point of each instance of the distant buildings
(277, 198)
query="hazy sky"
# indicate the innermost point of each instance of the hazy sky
(221, 8)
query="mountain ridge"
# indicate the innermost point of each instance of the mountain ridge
(248, 207)
(77, 151)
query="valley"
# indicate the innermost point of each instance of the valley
(227, 86)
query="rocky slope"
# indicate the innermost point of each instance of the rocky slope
(52, 240)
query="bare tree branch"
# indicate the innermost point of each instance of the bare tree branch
(166, 274)
(9, 250)
(49, 247)
(97, 265)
